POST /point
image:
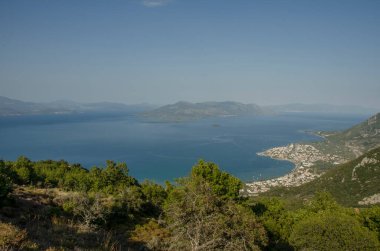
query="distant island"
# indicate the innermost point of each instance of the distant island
(186, 111)
(14, 107)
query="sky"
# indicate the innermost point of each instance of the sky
(164, 51)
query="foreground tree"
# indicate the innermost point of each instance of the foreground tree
(370, 218)
(201, 217)
(24, 170)
(5, 187)
(223, 184)
(91, 211)
(332, 231)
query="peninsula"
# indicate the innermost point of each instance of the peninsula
(313, 159)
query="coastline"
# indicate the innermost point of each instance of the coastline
(303, 156)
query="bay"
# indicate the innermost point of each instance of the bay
(165, 151)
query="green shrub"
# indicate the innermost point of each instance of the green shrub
(223, 184)
(24, 170)
(371, 219)
(201, 219)
(152, 235)
(332, 231)
(5, 186)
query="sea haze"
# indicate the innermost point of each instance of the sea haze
(164, 151)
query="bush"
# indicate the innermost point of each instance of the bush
(222, 183)
(321, 201)
(5, 186)
(155, 196)
(128, 205)
(332, 231)
(91, 211)
(24, 170)
(202, 220)
(152, 235)
(371, 219)
(12, 238)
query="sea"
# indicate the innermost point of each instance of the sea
(165, 151)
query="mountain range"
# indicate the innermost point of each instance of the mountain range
(14, 107)
(178, 112)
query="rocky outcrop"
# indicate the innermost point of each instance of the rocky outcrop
(365, 161)
(374, 199)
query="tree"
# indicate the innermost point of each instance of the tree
(155, 196)
(5, 186)
(128, 205)
(322, 201)
(329, 230)
(91, 210)
(50, 173)
(24, 169)
(76, 179)
(5, 181)
(222, 183)
(199, 219)
(371, 219)
(115, 177)
(277, 220)
(152, 235)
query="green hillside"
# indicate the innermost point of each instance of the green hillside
(353, 142)
(349, 183)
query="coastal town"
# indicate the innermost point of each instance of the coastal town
(304, 158)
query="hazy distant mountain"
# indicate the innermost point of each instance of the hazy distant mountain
(322, 108)
(186, 111)
(16, 107)
(11, 107)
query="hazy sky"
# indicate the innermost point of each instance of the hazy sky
(162, 51)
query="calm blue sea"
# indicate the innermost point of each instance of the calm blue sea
(161, 151)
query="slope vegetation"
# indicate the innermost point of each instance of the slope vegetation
(354, 141)
(353, 183)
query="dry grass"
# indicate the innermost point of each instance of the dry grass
(33, 221)
(11, 237)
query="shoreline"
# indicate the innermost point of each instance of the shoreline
(303, 156)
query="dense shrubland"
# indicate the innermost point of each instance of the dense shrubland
(54, 205)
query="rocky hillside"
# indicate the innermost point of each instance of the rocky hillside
(186, 111)
(354, 183)
(354, 141)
